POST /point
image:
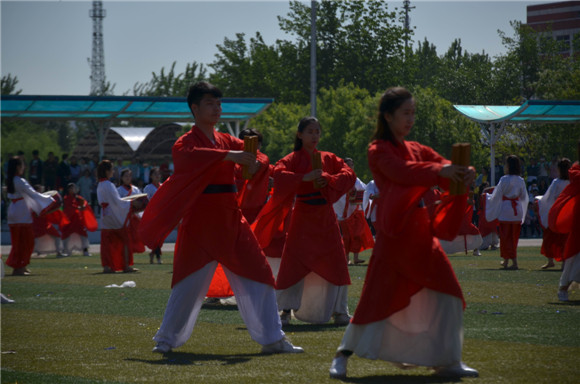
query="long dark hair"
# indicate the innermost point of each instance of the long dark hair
(102, 169)
(563, 166)
(304, 122)
(391, 100)
(13, 164)
(513, 165)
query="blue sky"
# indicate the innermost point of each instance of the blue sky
(45, 44)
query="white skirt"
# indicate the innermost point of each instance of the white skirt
(314, 300)
(571, 271)
(47, 244)
(428, 332)
(462, 243)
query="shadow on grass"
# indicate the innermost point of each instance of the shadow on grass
(401, 379)
(199, 359)
(219, 307)
(570, 303)
(310, 327)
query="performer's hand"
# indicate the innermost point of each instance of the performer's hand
(254, 168)
(469, 177)
(314, 174)
(241, 157)
(453, 172)
(321, 181)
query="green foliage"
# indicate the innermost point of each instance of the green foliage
(9, 85)
(278, 125)
(27, 136)
(171, 84)
(347, 116)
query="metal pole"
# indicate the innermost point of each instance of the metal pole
(313, 59)
(492, 153)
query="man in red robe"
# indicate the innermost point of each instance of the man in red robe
(201, 194)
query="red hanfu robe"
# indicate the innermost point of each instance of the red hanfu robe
(564, 215)
(313, 242)
(253, 193)
(45, 224)
(407, 256)
(80, 216)
(212, 226)
(133, 220)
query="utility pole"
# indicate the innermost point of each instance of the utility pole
(313, 59)
(97, 61)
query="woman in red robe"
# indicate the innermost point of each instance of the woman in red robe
(564, 217)
(80, 220)
(553, 243)
(313, 275)
(411, 309)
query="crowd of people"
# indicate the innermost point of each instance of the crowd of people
(56, 174)
(281, 234)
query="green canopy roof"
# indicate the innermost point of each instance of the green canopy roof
(108, 108)
(532, 111)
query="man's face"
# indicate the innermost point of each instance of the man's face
(208, 111)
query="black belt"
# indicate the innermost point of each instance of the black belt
(311, 198)
(221, 188)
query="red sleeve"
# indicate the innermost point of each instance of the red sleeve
(406, 171)
(194, 165)
(341, 177)
(270, 220)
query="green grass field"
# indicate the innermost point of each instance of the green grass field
(66, 327)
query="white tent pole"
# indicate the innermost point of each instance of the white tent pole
(492, 152)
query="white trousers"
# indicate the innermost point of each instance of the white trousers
(256, 302)
(76, 242)
(314, 300)
(571, 271)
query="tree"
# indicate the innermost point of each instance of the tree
(171, 84)
(9, 85)
(358, 42)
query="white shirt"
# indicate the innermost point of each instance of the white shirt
(512, 187)
(368, 203)
(19, 211)
(124, 193)
(150, 190)
(545, 202)
(114, 210)
(340, 203)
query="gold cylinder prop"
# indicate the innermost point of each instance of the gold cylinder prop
(316, 164)
(250, 145)
(460, 155)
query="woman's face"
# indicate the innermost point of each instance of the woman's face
(402, 120)
(20, 169)
(155, 176)
(126, 179)
(310, 136)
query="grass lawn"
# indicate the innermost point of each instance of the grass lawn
(66, 327)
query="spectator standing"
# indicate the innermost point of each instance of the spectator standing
(63, 173)
(75, 170)
(50, 169)
(35, 170)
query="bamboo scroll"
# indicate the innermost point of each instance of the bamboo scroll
(316, 164)
(460, 155)
(250, 145)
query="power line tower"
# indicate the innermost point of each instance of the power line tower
(97, 61)
(407, 7)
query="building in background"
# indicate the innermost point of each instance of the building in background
(562, 19)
